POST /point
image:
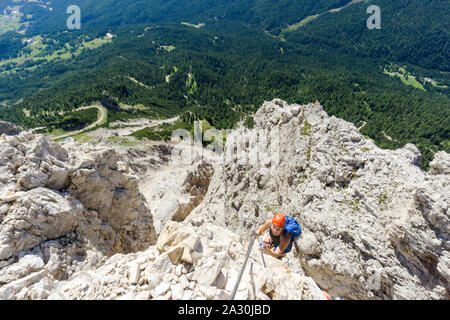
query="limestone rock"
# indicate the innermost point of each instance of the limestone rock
(208, 278)
(173, 191)
(375, 226)
(38, 215)
(64, 209)
(77, 221)
(31, 262)
(196, 185)
(440, 163)
(116, 198)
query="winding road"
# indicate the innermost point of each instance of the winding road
(101, 117)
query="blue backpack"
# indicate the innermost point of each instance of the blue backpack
(293, 227)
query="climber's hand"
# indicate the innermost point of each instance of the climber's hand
(264, 250)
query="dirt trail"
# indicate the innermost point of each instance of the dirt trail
(362, 126)
(388, 137)
(125, 128)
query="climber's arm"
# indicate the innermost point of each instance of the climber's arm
(263, 228)
(280, 249)
(260, 230)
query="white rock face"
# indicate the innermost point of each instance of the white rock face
(81, 221)
(173, 191)
(213, 275)
(440, 163)
(88, 234)
(374, 224)
(63, 209)
(38, 215)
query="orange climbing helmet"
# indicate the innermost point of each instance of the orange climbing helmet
(279, 219)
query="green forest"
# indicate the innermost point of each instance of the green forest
(223, 71)
(71, 121)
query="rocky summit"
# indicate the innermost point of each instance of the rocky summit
(82, 221)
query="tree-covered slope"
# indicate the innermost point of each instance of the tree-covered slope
(268, 14)
(412, 31)
(242, 55)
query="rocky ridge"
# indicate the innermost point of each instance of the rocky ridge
(190, 263)
(374, 225)
(96, 222)
(63, 209)
(74, 225)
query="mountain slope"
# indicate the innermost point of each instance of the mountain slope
(374, 225)
(228, 67)
(412, 31)
(264, 13)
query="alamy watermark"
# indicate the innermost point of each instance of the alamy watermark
(74, 20)
(374, 281)
(374, 21)
(255, 147)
